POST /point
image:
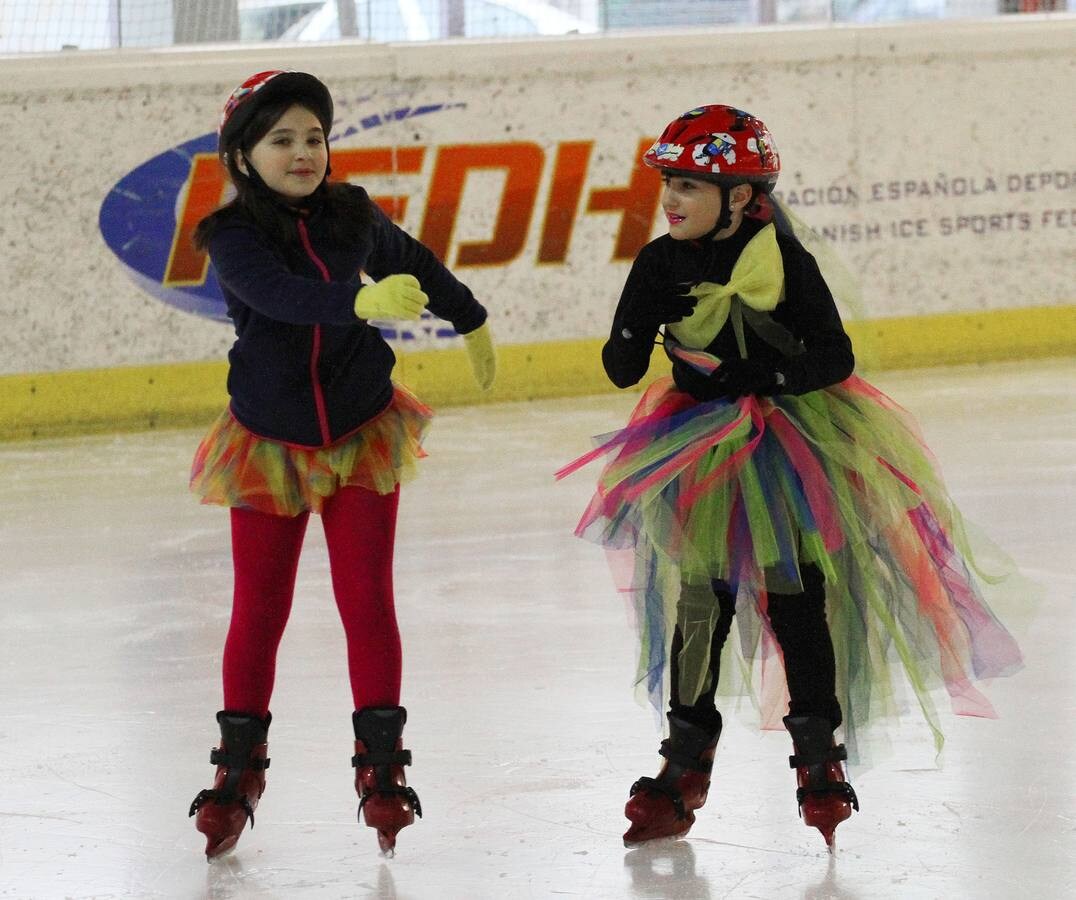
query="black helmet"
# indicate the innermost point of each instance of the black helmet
(275, 84)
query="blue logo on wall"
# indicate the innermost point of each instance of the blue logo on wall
(138, 222)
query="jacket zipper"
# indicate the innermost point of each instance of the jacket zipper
(315, 350)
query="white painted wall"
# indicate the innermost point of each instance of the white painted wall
(879, 118)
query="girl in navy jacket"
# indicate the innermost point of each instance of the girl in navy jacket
(314, 424)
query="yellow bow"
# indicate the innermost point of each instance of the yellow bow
(758, 280)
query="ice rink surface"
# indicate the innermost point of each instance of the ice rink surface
(114, 600)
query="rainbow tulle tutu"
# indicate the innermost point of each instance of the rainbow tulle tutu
(233, 467)
(747, 492)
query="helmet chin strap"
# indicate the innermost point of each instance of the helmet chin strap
(255, 179)
(724, 217)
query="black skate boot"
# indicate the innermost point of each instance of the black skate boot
(222, 810)
(824, 795)
(665, 806)
(385, 800)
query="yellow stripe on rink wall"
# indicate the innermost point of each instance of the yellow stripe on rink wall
(952, 339)
(53, 404)
(136, 398)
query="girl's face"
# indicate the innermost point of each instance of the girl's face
(691, 206)
(292, 156)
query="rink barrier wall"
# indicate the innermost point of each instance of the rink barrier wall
(137, 398)
(951, 205)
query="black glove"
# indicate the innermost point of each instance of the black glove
(691, 381)
(733, 378)
(740, 377)
(646, 311)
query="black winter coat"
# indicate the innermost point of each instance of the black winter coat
(807, 311)
(304, 369)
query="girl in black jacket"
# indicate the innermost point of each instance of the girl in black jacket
(315, 423)
(764, 479)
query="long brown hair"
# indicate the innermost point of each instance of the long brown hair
(349, 211)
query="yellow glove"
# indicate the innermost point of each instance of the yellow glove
(479, 345)
(394, 297)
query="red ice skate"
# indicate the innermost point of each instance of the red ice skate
(385, 800)
(825, 797)
(222, 811)
(664, 807)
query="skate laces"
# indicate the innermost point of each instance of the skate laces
(685, 759)
(212, 795)
(841, 788)
(407, 792)
(381, 758)
(232, 761)
(229, 792)
(646, 783)
(814, 758)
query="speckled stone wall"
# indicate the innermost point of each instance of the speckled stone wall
(937, 159)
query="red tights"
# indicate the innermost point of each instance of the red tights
(360, 529)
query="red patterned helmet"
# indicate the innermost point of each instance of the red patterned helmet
(718, 143)
(275, 84)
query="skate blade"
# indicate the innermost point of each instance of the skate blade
(829, 834)
(633, 837)
(826, 821)
(221, 850)
(386, 840)
(649, 841)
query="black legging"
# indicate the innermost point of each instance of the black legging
(799, 623)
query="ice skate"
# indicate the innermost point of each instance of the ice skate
(824, 795)
(664, 807)
(385, 801)
(221, 812)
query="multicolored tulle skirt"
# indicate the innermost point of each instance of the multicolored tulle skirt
(234, 467)
(748, 493)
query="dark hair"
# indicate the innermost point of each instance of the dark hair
(348, 211)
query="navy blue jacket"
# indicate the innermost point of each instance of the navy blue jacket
(304, 369)
(807, 311)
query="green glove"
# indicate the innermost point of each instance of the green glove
(394, 297)
(479, 345)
